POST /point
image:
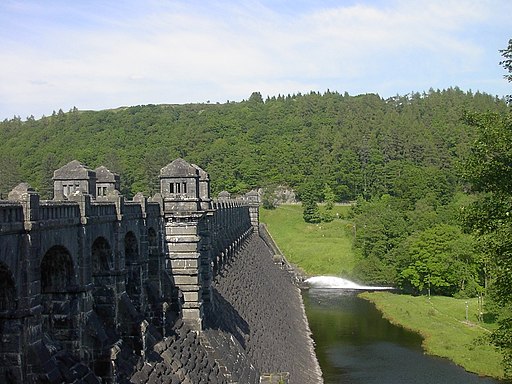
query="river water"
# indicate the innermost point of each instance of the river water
(355, 345)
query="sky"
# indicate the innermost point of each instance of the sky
(101, 54)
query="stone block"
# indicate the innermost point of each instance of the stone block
(185, 264)
(191, 296)
(184, 255)
(186, 271)
(186, 280)
(10, 359)
(10, 343)
(182, 247)
(180, 230)
(195, 309)
(183, 238)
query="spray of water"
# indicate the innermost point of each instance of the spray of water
(334, 282)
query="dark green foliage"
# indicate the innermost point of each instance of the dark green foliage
(10, 174)
(311, 212)
(329, 198)
(489, 170)
(308, 196)
(358, 145)
(507, 63)
(440, 260)
(419, 248)
(489, 173)
(268, 198)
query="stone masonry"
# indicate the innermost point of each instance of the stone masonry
(177, 288)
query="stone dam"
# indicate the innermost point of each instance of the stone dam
(176, 288)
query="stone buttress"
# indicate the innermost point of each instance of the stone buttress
(185, 215)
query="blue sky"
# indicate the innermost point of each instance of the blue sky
(99, 54)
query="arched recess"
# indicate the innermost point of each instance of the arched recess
(154, 286)
(102, 259)
(133, 269)
(59, 298)
(131, 248)
(56, 270)
(105, 308)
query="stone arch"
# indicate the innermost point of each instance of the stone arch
(102, 260)
(8, 297)
(152, 237)
(104, 306)
(56, 270)
(59, 298)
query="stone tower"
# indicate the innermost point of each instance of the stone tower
(73, 177)
(185, 219)
(106, 181)
(253, 200)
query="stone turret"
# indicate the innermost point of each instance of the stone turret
(253, 198)
(106, 181)
(185, 223)
(73, 177)
(179, 186)
(224, 196)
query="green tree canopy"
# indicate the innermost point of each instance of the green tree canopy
(489, 172)
(440, 260)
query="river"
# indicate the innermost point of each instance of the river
(356, 345)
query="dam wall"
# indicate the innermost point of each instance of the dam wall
(179, 287)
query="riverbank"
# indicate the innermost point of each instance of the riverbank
(326, 249)
(447, 333)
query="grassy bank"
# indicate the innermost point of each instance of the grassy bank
(318, 249)
(326, 249)
(446, 332)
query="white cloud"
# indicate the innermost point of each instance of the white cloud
(176, 52)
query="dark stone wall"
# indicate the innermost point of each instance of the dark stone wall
(260, 306)
(255, 325)
(181, 357)
(114, 291)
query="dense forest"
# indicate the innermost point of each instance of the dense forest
(406, 146)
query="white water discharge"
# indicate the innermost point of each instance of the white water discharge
(333, 282)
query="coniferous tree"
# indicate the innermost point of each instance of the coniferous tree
(311, 212)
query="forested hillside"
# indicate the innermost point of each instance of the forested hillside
(360, 146)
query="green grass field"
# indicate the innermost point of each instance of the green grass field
(446, 332)
(317, 249)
